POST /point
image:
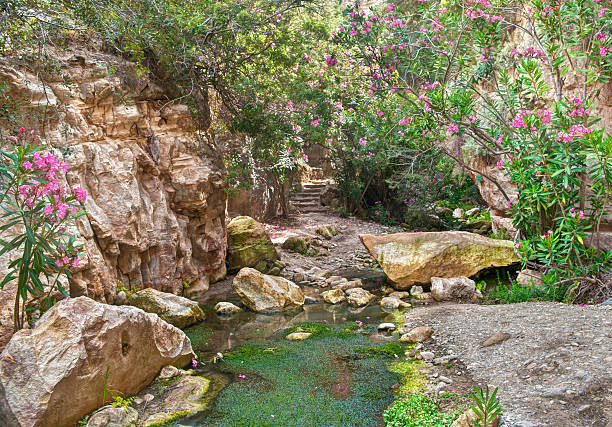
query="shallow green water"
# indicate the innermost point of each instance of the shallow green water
(334, 378)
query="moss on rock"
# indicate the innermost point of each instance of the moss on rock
(249, 245)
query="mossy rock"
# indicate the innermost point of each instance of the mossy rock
(176, 398)
(327, 231)
(248, 244)
(296, 244)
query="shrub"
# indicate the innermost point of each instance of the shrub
(38, 208)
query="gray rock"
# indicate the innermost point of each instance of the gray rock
(186, 395)
(168, 372)
(178, 311)
(308, 300)
(453, 289)
(107, 416)
(359, 297)
(391, 302)
(298, 336)
(333, 296)
(417, 335)
(224, 307)
(496, 338)
(458, 213)
(263, 293)
(472, 212)
(416, 291)
(121, 298)
(428, 355)
(386, 327)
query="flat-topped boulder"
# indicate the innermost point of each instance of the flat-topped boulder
(263, 293)
(409, 258)
(58, 372)
(178, 311)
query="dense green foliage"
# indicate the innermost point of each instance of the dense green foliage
(416, 410)
(395, 98)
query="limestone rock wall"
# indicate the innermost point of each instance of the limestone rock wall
(155, 207)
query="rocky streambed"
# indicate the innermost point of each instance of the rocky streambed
(328, 344)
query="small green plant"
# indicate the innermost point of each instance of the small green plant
(120, 402)
(487, 406)
(107, 391)
(416, 410)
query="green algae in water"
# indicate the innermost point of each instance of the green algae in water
(199, 336)
(320, 381)
(390, 349)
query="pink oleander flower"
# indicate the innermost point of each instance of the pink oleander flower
(79, 194)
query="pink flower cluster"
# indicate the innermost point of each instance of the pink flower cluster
(573, 213)
(547, 235)
(66, 259)
(578, 108)
(530, 53)
(452, 128)
(576, 131)
(544, 115)
(519, 120)
(432, 85)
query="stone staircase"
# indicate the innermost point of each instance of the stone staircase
(308, 200)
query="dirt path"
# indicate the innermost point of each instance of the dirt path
(345, 250)
(554, 370)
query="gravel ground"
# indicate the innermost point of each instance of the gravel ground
(554, 370)
(345, 250)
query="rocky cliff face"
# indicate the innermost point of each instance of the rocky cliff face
(155, 207)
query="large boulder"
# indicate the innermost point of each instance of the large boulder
(263, 293)
(455, 289)
(178, 311)
(409, 258)
(80, 352)
(249, 244)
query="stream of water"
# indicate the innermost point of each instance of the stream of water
(339, 376)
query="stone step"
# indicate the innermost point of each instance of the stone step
(312, 210)
(306, 196)
(310, 186)
(311, 191)
(313, 203)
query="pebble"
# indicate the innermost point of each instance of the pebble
(148, 397)
(446, 379)
(298, 336)
(386, 327)
(427, 355)
(496, 339)
(584, 408)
